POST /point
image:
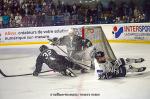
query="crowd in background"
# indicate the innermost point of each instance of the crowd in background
(34, 13)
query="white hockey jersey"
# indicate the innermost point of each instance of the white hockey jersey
(102, 68)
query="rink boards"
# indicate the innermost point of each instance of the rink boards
(115, 33)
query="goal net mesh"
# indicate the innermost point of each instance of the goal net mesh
(96, 35)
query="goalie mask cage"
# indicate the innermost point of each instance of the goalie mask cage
(96, 35)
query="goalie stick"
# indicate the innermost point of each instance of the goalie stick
(5, 75)
(68, 56)
(71, 57)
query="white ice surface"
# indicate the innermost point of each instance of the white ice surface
(21, 59)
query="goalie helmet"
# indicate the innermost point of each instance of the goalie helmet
(99, 54)
(42, 48)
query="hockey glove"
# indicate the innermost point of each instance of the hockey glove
(54, 41)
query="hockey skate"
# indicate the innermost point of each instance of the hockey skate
(84, 70)
(141, 69)
(69, 72)
(139, 60)
(134, 69)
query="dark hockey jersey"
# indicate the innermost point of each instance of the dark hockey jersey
(53, 60)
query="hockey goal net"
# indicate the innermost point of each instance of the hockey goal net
(96, 35)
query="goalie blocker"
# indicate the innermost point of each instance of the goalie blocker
(105, 69)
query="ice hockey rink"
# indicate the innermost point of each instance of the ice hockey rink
(52, 85)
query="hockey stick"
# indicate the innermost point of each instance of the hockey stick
(71, 57)
(68, 56)
(5, 75)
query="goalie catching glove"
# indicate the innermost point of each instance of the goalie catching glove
(54, 41)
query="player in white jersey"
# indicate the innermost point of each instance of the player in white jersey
(105, 69)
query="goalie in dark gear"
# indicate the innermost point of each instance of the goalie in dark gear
(78, 49)
(54, 61)
(105, 69)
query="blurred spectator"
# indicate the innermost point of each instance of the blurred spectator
(112, 6)
(81, 14)
(136, 12)
(131, 8)
(18, 19)
(25, 21)
(20, 1)
(26, 13)
(46, 9)
(5, 20)
(74, 9)
(12, 21)
(74, 19)
(14, 5)
(31, 8)
(146, 9)
(25, 8)
(1, 6)
(1, 20)
(40, 19)
(52, 5)
(38, 7)
(61, 6)
(66, 17)
(53, 13)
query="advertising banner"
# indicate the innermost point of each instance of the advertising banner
(37, 35)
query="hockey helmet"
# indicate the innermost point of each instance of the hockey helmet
(42, 48)
(99, 54)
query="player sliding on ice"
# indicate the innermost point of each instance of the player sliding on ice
(105, 69)
(55, 62)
